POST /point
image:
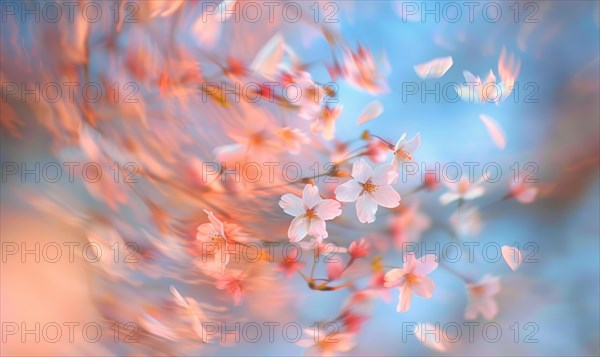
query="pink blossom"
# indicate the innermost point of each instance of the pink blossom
(232, 286)
(431, 181)
(377, 151)
(292, 139)
(522, 192)
(466, 221)
(404, 149)
(481, 298)
(408, 225)
(359, 248)
(324, 123)
(323, 342)
(412, 278)
(462, 190)
(335, 269)
(370, 189)
(361, 71)
(290, 263)
(310, 212)
(214, 241)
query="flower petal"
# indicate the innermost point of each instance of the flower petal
(434, 68)
(384, 175)
(393, 278)
(204, 231)
(404, 299)
(409, 262)
(491, 285)
(372, 111)
(328, 209)
(217, 224)
(291, 205)
(386, 196)
(413, 144)
(335, 269)
(400, 142)
(448, 198)
(348, 192)
(512, 256)
(366, 208)
(310, 196)
(425, 288)
(426, 264)
(361, 171)
(474, 193)
(527, 195)
(298, 229)
(317, 229)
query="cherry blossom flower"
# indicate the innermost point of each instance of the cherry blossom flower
(324, 123)
(481, 298)
(194, 311)
(412, 277)
(462, 190)
(290, 263)
(232, 286)
(255, 140)
(213, 241)
(361, 71)
(408, 225)
(377, 151)
(466, 221)
(370, 189)
(431, 181)
(359, 248)
(377, 286)
(311, 97)
(310, 212)
(353, 321)
(292, 139)
(522, 192)
(323, 342)
(404, 149)
(335, 269)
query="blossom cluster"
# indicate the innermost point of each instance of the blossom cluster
(186, 228)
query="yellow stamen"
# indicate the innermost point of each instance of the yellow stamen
(412, 280)
(404, 155)
(368, 187)
(311, 215)
(217, 238)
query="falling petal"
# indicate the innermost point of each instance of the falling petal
(180, 299)
(372, 111)
(269, 57)
(512, 256)
(435, 68)
(207, 27)
(495, 130)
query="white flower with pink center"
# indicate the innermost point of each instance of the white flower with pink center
(310, 212)
(370, 189)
